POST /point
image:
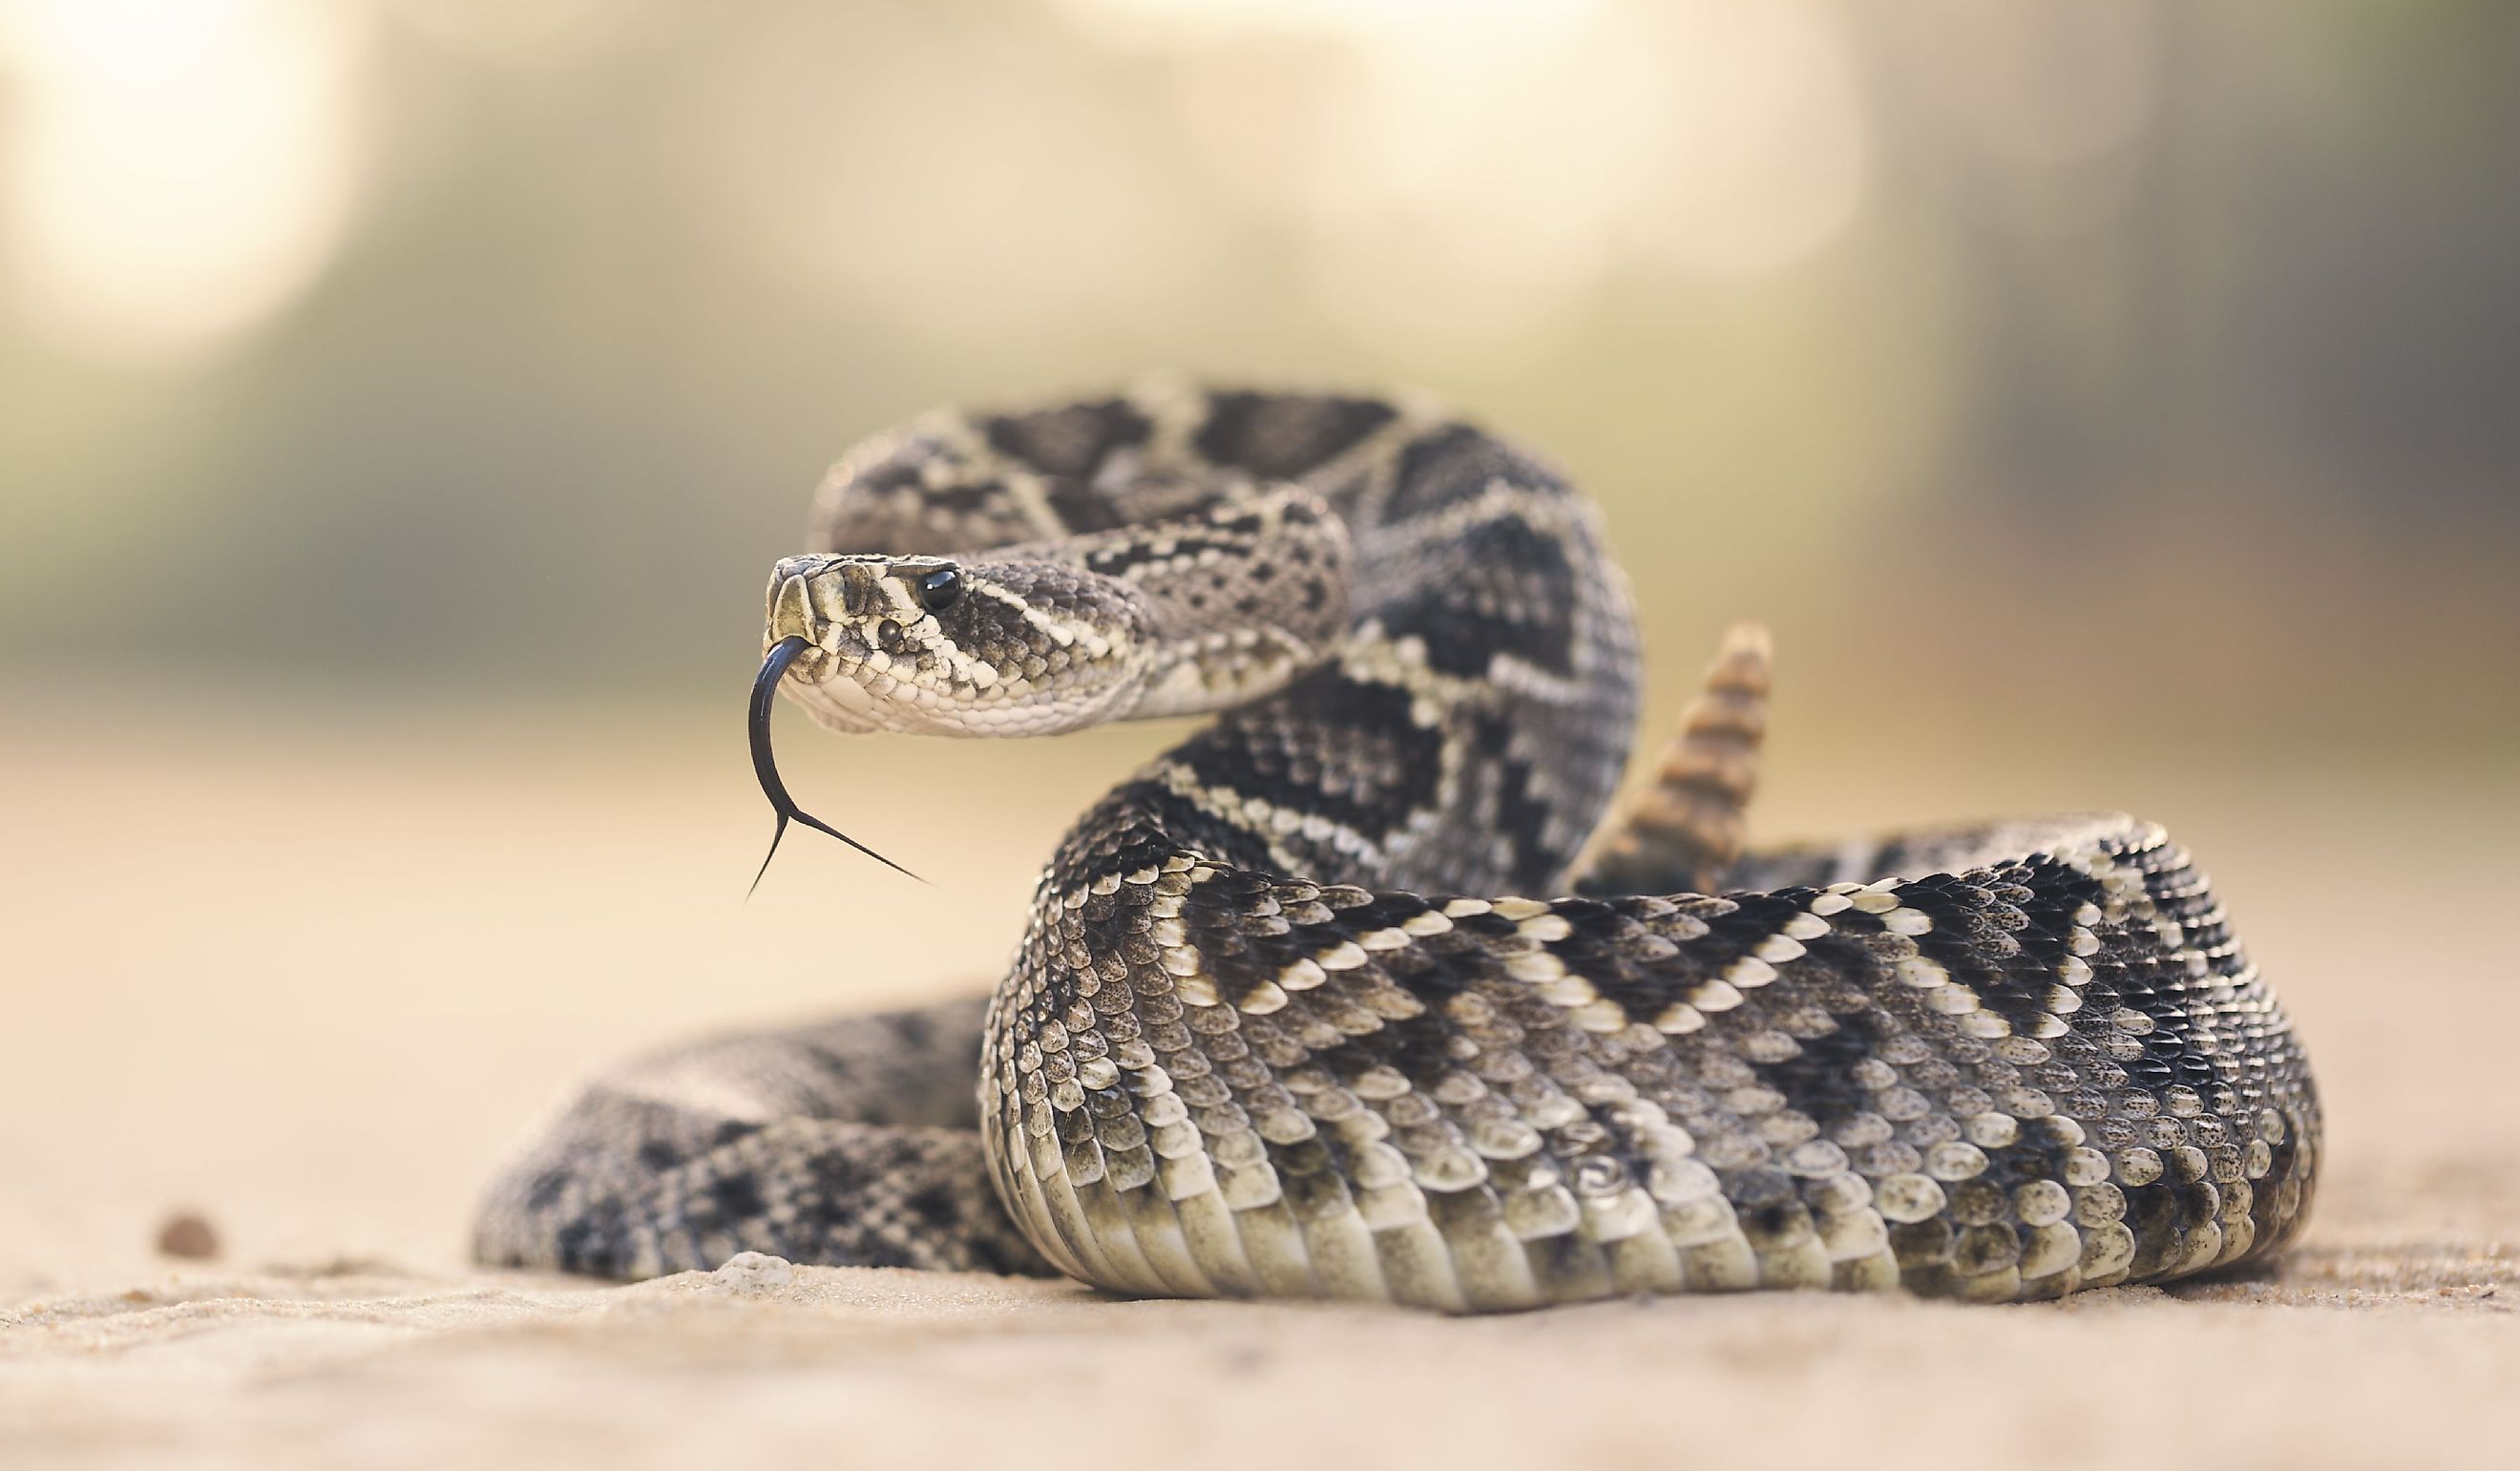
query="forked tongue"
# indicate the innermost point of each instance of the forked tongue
(765, 694)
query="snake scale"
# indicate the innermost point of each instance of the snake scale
(1283, 1022)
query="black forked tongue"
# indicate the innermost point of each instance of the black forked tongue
(765, 694)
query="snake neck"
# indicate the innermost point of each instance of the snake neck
(1464, 734)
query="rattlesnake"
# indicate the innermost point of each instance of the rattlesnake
(1276, 1027)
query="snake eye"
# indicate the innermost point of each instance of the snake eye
(940, 589)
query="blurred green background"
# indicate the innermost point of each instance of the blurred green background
(403, 401)
(2044, 366)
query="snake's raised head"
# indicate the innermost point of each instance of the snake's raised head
(927, 646)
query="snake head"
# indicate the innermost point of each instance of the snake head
(928, 645)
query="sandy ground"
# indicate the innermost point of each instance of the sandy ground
(307, 972)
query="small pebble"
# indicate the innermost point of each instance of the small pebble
(748, 1274)
(189, 1236)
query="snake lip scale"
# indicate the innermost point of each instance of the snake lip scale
(1369, 988)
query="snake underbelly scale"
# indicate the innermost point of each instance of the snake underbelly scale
(1344, 997)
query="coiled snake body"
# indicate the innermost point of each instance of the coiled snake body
(1279, 1025)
